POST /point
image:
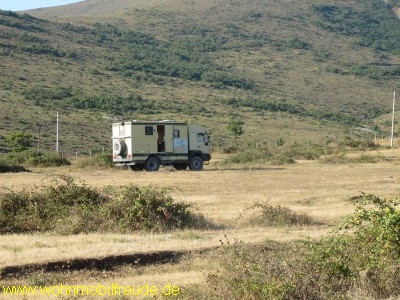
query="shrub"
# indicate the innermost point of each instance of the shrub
(133, 208)
(363, 254)
(308, 152)
(279, 155)
(99, 160)
(34, 158)
(248, 156)
(269, 215)
(361, 257)
(67, 207)
(350, 142)
(230, 149)
(40, 208)
(19, 141)
(282, 159)
(269, 271)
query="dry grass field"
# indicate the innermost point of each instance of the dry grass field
(221, 193)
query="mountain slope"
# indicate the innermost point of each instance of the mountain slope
(299, 68)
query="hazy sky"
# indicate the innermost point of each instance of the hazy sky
(17, 5)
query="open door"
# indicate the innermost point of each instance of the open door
(160, 138)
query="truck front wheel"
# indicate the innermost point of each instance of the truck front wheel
(196, 163)
(152, 164)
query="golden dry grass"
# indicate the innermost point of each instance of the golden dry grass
(221, 194)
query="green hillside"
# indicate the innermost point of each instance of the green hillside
(304, 70)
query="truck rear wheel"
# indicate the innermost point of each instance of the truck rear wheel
(152, 164)
(196, 163)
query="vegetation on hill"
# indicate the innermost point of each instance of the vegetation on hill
(331, 66)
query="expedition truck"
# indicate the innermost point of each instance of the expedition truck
(147, 145)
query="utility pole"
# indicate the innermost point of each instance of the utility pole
(57, 135)
(391, 136)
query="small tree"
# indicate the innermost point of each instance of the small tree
(19, 141)
(235, 126)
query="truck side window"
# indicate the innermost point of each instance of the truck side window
(200, 137)
(176, 133)
(148, 130)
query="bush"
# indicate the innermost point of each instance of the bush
(269, 215)
(34, 158)
(230, 149)
(257, 272)
(307, 152)
(360, 258)
(282, 159)
(67, 207)
(19, 141)
(350, 142)
(249, 156)
(99, 160)
(133, 208)
(279, 155)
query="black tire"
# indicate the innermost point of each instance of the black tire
(152, 164)
(196, 163)
(136, 167)
(180, 166)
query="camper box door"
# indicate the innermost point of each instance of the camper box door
(169, 142)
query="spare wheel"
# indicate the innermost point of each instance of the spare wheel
(119, 147)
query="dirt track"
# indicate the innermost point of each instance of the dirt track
(101, 263)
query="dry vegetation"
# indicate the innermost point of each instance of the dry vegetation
(222, 194)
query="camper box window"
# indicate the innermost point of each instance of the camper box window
(148, 130)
